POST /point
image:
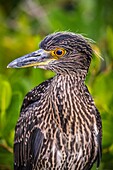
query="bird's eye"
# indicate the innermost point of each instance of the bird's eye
(58, 52)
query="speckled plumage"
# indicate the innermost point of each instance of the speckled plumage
(59, 127)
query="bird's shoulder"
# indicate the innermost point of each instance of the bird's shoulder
(35, 94)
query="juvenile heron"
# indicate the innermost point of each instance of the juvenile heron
(59, 127)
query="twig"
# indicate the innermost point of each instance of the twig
(9, 149)
(37, 11)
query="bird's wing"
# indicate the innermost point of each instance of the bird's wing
(98, 136)
(99, 155)
(99, 139)
(26, 152)
(28, 136)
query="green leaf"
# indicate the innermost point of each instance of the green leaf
(5, 93)
(5, 99)
(12, 116)
(107, 132)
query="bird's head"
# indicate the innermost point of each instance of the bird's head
(60, 52)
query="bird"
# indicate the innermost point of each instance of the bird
(59, 127)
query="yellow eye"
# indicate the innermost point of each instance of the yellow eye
(58, 52)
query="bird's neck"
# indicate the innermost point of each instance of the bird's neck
(71, 79)
(64, 84)
(65, 91)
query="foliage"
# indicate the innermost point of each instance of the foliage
(23, 25)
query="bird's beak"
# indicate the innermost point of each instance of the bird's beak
(36, 58)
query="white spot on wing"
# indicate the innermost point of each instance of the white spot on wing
(58, 154)
(79, 154)
(59, 157)
(53, 149)
(95, 129)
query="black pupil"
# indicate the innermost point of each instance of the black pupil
(59, 52)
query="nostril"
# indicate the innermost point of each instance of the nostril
(34, 54)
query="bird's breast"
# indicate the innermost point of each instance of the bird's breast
(67, 124)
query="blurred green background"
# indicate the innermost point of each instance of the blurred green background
(22, 25)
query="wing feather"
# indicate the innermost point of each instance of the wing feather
(29, 137)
